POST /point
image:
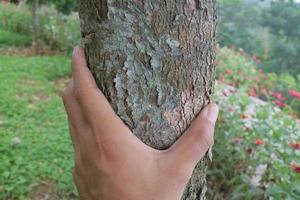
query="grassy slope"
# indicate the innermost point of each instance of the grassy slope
(32, 111)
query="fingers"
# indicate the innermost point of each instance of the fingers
(195, 142)
(80, 72)
(90, 98)
(93, 104)
(72, 107)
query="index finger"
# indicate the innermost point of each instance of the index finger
(92, 102)
(80, 72)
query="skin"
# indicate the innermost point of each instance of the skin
(110, 162)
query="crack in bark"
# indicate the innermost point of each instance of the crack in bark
(101, 11)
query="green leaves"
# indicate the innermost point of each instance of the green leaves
(65, 6)
(268, 29)
(57, 31)
(252, 134)
(237, 154)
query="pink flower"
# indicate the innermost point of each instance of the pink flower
(222, 79)
(294, 94)
(229, 72)
(225, 93)
(259, 141)
(280, 104)
(231, 109)
(296, 167)
(233, 91)
(295, 145)
(278, 95)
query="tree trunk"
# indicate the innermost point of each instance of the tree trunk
(35, 25)
(154, 61)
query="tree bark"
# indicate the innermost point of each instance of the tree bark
(154, 61)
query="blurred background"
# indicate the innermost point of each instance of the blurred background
(257, 150)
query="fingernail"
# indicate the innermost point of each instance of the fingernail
(212, 112)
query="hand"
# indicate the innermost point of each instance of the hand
(111, 163)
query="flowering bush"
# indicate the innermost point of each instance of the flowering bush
(257, 152)
(239, 70)
(235, 69)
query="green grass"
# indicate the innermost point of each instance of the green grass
(32, 111)
(13, 39)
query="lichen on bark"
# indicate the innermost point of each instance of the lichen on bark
(154, 61)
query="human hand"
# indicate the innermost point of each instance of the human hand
(111, 163)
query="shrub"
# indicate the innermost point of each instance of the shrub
(237, 69)
(8, 38)
(55, 29)
(257, 144)
(15, 18)
(256, 155)
(58, 30)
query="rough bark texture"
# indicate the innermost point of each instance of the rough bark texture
(154, 61)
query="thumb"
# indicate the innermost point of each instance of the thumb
(196, 140)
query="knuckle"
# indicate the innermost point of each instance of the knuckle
(67, 93)
(82, 91)
(79, 93)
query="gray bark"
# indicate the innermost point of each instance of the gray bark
(154, 61)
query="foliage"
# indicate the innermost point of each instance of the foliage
(8, 39)
(15, 18)
(282, 19)
(239, 70)
(269, 30)
(257, 151)
(238, 26)
(234, 66)
(256, 154)
(56, 30)
(35, 145)
(64, 6)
